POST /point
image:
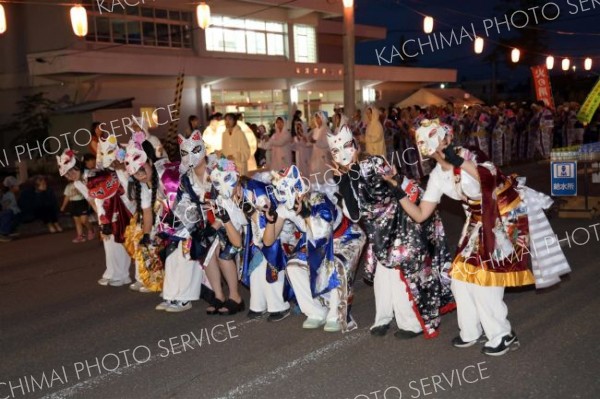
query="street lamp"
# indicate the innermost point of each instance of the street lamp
(203, 15)
(587, 64)
(478, 45)
(566, 63)
(79, 20)
(550, 62)
(2, 20)
(515, 55)
(428, 24)
(349, 87)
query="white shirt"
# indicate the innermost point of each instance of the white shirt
(442, 182)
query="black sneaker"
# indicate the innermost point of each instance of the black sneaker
(278, 316)
(403, 334)
(509, 342)
(256, 315)
(380, 331)
(457, 342)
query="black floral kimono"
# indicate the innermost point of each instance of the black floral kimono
(418, 251)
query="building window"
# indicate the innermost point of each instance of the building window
(305, 46)
(138, 25)
(248, 36)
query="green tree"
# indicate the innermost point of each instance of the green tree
(32, 121)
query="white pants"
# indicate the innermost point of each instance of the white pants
(480, 307)
(117, 260)
(392, 301)
(311, 307)
(265, 296)
(183, 277)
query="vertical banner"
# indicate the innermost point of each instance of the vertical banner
(589, 107)
(543, 90)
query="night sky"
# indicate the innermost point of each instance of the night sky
(400, 21)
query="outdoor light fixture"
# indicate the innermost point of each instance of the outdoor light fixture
(549, 62)
(2, 20)
(203, 15)
(348, 3)
(79, 20)
(478, 45)
(428, 24)
(566, 63)
(515, 55)
(587, 63)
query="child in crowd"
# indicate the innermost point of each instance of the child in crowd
(78, 207)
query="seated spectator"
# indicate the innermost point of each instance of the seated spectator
(10, 213)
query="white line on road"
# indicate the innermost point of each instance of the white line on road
(282, 372)
(100, 379)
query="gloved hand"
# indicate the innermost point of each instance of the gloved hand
(247, 208)
(106, 229)
(452, 157)
(395, 184)
(223, 215)
(271, 214)
(145, 241)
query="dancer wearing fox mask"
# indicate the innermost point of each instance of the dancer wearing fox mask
(322, 265)
(406, 262)
(504, 219)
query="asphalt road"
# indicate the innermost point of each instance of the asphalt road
(55, 321)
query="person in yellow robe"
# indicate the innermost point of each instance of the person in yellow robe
(374, 138)
(235, 145)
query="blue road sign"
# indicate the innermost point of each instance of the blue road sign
(564, 178)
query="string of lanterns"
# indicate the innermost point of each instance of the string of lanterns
(515, 54)
(79, 20)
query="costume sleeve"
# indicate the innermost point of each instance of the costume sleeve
(82, 188)
(146, 197)
(350, 202)
(434, 191)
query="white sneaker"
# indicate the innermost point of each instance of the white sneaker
(163, 305)
(136, 286)
(332, 326)
(312, 323)
(144, 290)
(178, 306)
(103, 281)
(119, 283)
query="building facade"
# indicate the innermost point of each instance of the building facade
(259, 58)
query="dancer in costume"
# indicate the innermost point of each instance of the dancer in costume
(107, 186)
(231, 222)
(184, 264)
(322, 265)
(263, 267)
(505, 224)
(407, 262)
(152, 211)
